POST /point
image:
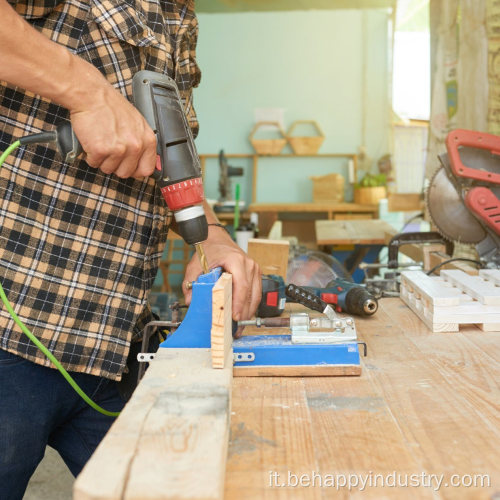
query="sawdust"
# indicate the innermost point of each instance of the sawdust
(327, 402)
(243, 440)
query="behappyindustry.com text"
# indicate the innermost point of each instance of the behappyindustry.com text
(362, 482)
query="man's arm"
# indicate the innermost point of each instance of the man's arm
(222, 251)
(114, 135)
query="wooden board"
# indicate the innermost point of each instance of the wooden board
(454, 298)
(351, 232)
(271, 255)
(297, 371)
(170, 441)
(405, 202)
(221, 333)
(313, 207)
(425, 404)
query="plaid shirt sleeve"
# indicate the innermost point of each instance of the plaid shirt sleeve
(79, 250)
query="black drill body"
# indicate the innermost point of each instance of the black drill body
(346, 296)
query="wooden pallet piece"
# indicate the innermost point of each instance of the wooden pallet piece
(484, 291)
(492, 275)
(455, 298)
(171, 439)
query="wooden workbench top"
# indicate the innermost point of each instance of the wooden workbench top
(350, 232)
(426, 403)
(313, 207)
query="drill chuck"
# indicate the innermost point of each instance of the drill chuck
(342, 295)
(192, 224)
(370, 306)
(359, 301)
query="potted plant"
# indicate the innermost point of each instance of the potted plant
(371, 189)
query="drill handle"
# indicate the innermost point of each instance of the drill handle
(67, 142)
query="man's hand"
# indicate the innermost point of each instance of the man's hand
(247, 285)
(115, 136)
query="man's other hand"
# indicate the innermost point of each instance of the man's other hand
(247, 283)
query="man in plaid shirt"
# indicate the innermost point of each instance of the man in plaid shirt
(80, 243)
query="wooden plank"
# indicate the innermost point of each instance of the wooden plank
(355, 434)
(297, 371)
(344, 216)
(313, 207)
(270, 431)
(492, 275)
(422, 285)
(345, 232)
(158, 447)
(221, 332)
(418, 307)
(188, 424)
(254, 178)
(483, 291)
(404, 202)
(271, 255)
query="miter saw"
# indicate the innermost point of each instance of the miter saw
(226, 171)
(463, 196)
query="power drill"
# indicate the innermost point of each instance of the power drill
(177, 172)
(343, 295)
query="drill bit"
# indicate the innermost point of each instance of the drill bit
(202, 257)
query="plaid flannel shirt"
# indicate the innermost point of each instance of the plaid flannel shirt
(79, 250)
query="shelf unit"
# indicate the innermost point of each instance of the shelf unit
(255, 159)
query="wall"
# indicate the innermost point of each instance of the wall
(312, 64)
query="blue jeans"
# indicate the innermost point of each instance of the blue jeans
(39, 408)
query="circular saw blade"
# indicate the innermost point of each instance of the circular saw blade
(449, 213)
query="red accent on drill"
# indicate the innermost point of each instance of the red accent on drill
(183, 194)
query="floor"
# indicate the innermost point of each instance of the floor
(52, 479)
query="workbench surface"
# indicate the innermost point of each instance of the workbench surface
(352, 232)
(426, 403)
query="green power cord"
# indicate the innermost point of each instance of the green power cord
(33, 339)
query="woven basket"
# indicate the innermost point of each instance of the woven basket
(305, 145)
(267, 146)
(328, 188)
